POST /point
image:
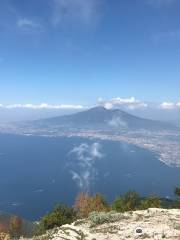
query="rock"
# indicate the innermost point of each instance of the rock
(139, 231)
(148, 224)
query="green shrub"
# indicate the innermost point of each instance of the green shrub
(150, 202)
(97, 218)
(60, 215)
(177, 226)
(128, 202)
(177, 201)
(176, 204)
(177, 191)
(118, 204)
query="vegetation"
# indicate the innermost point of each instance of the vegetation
(11, 226)
(104, 217)
(60, 215)
(150, 202)
(86, 204)
(177, 193)
(128, 202)
(93, 207)
(16, 226)
(98, 211)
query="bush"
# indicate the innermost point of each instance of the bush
(177, 201)
(177, 191)
(150, 202)
(15, 226)
(128, 202)
(60, 215)
(86, 204)
(4, 228)
(105, 217)
(118, 204)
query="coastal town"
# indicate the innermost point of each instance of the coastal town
(165, 144)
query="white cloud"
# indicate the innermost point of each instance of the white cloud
(167, 105)
(116, 121)
(170, 105)
(114, 103)
(84, 172)
(77, 178)
(95, 151)
(130, 103)
(81, 11)
(42, 106)
(29, 25)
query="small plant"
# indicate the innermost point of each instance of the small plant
(177, 226)
(139, 217)
(163, 235)
(79, 222)
(105, 230)
(144, 236)
(97, 218)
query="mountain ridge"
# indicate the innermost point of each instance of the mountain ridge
(105, 119)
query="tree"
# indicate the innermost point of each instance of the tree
(4, 228)
(150, 202)
(82, 205)
(60, 215)
(177, 201)
(177, 191)
(128, 202)
(98, 203)
(118, 204)
(86, 204)
(131, 201)
(15, 226)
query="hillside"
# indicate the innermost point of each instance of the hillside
(146, 224)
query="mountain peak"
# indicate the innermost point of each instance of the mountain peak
(100, 118)
(98, 108)
(103, 109)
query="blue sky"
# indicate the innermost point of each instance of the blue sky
(77, 51)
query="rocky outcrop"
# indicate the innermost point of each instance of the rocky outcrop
(146, 224)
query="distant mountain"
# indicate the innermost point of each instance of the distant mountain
(100, 118)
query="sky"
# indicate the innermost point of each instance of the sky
(70, 54)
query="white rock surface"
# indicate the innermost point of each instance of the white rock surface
(148, 224)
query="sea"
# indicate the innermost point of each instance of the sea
(37, 173)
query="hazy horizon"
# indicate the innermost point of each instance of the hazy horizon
(27, 112)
